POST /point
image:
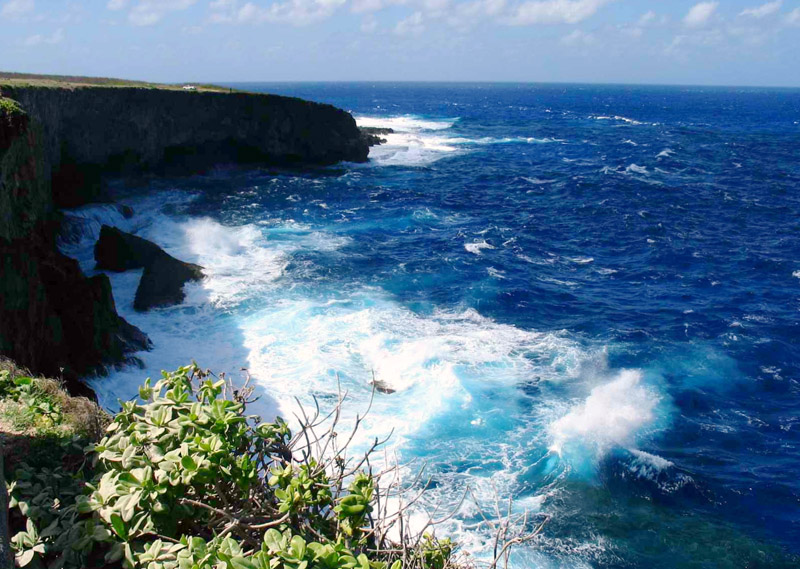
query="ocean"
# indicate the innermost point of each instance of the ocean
(585, 299)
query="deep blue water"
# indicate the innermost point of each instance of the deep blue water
(586, 297)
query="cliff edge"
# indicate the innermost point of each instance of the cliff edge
(90, 131)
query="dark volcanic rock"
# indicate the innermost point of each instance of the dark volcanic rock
(53, 320)
(382, 386)
(92, 132)
(376, 130)
(164, 276)
(162, 282)
(371, 134)
(119, 251)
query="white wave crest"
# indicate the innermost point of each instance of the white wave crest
(611, 416)
(405, 123)
(636, 169)
(418, 141)
(477, 247)
(617, 118)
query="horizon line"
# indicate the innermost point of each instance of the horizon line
(421, 81)
(506, 82)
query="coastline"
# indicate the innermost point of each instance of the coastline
(62, 140)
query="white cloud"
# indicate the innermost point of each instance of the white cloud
(149, 12)
(631, 31)
(16, 8)
(577, 37)
(411, 26)
(466, 15)
(700, 14)
(360, 6)
(647, 18)
(294, 12)
(764, 10)
(554, 11)
(652, 19)
(675, 45)
(38, 39)
(793, 17)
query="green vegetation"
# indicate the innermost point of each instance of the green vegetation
(41, 423)
(9, 108)
(184, 478)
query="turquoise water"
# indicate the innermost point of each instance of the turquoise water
(586, 299)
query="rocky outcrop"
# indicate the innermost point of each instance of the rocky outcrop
(164, 275)
(372, 134)
(162, 282)
(118, 251)
(53, 319)
(90, 132)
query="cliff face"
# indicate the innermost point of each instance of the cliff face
(52, 318)
(91, 131)
(25, 197)
(56, 144)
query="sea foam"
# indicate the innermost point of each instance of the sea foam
(612, 415)
(418, 141)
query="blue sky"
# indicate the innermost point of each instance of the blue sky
(724, 42)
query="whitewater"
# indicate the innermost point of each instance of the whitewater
(577, 299)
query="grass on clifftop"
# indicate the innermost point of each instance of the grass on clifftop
(40, 423)
(69, 81)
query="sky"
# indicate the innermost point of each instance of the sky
(714, 42)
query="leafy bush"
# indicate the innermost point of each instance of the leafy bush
(9, 108)
(39, 407)
(185, 479)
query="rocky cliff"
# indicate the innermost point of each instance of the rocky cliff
(89, 132)
(57, 145)
(52, 318)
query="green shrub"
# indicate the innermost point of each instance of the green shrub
(9, 108)
(185, 479)
(39, 408)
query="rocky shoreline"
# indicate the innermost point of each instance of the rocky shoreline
(59, 146)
